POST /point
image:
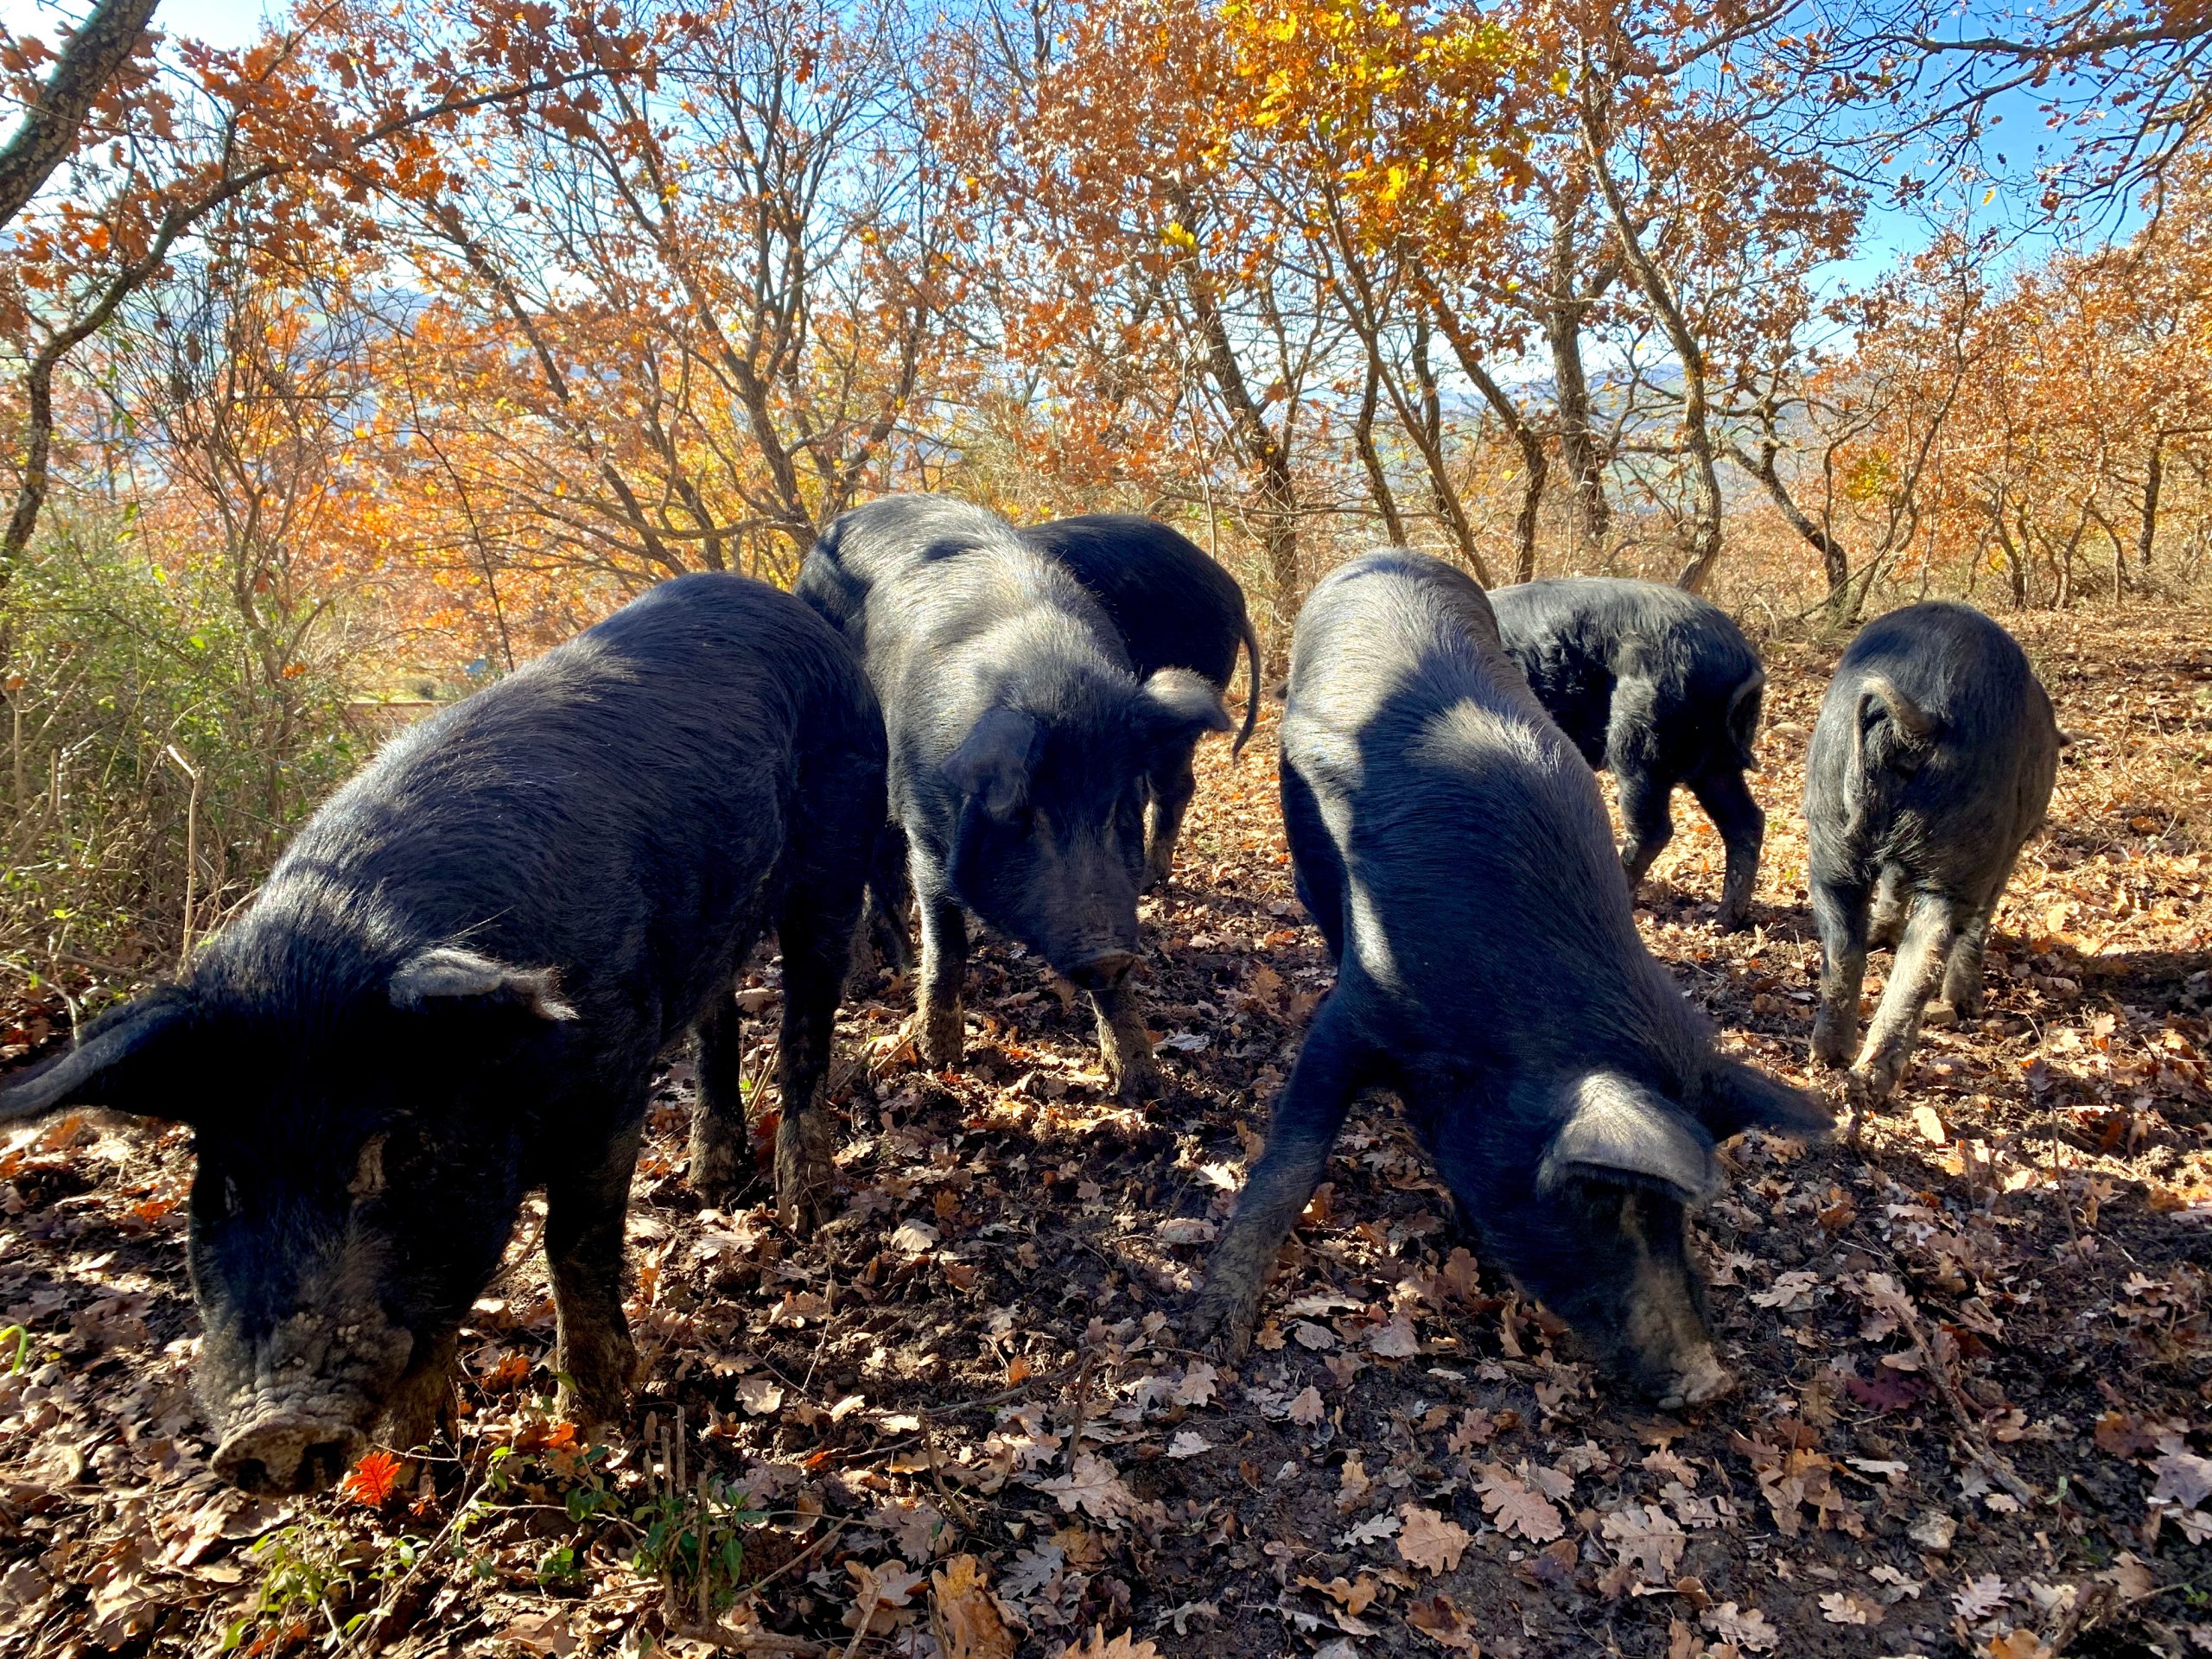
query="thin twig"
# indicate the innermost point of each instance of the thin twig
(1969, 1426)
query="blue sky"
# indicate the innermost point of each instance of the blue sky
(219, 22)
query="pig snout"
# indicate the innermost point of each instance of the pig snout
(1102, 971)
(289, 1452)
(1671, 1356)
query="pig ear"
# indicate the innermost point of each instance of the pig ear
(994, 760)
(1892, 729)
(1738, 1097)
(1176, 707)
(450, 975)
(1619, 1132)
(128, 1061)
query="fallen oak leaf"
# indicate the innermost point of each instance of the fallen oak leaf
(1444, 1624)
(879, 1590)
(1841, 1607)
(1431, 1542)
(1647, 1536)
(1124, 1646)
(966, 1615)
(1749, 1629)
(1516, 1511)
(1094, 1486)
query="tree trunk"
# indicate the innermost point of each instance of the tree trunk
(1378, 480)
(2015, 567)
(1835, 561)
(1705, 481)
(1263, 450)
(2147, 535)
(1578, 444)
(1535, 460)
(101, 45)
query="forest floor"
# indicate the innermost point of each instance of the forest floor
(1975, 1402)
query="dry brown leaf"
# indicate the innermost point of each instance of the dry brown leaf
(1093, 1486)
(1518, 1511)
(967, 1615)
(1124, 1646)
(1649, 1536)
(1442, 1622)
(1429, 1542)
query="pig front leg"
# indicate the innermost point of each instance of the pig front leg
(718, 1150)
(1728, 801)
(1307, 1116)
(1962, 972)
(938, 1030)
(1930, 931)
(584, 1209)
(814, 960)
(1839, 914)
(1131, 1071)
(422, 1397)
(1171, 790)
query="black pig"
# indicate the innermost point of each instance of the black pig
(454, 988)
(1022, 749)
(1660, 687)
(1454, 852)
(1175, 607)
(1931, 765)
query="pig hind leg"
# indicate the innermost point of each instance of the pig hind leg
(1647, 817)
(889, 898)
(1643, 782)
(817, 924)
(944, 970)
(718, 1160)
(585, 1209)
(1962, 972)
(1728, 801)
(1172, 789)
(1930, 931)
(1839, 914)
(1330, 1070)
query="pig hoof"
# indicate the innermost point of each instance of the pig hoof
(1219, 1324)
(806, 1169)
(595, 1390)
(943, 1040)
(1140, 1080)
(717, 1162)
(1831, 1042)
(1865, 1089)
(1939, 1016)
(1702, 1381)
